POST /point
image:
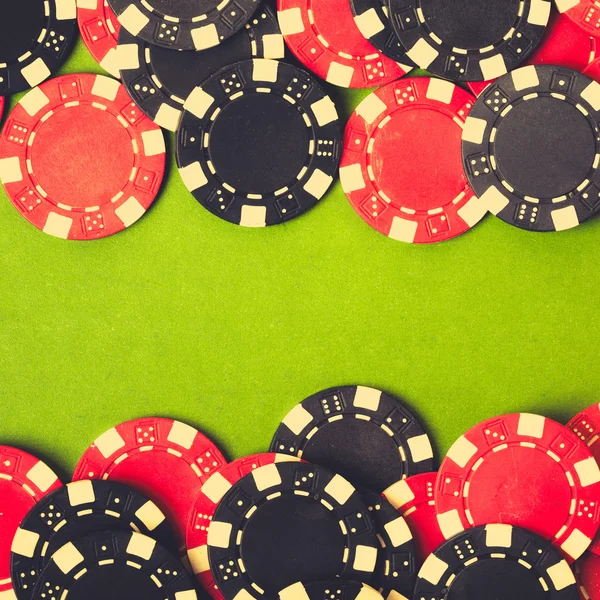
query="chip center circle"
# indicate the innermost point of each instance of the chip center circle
(545, 147)
(470, 24)
(183, 9)
(82, 156)
(290, 539)
(497, 579)
(429, 144)
(511, 484)
(20, 29)
(259, 143)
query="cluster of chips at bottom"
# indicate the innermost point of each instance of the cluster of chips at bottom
(346, 504)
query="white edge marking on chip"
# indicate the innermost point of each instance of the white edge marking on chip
(494, 200)
(109, 443)
(422, 53)
(318, 184)
(10, 170)
(403, 230)
(88, 4)
(433, 569)
(441, 90)
(150, 515)
(58, 225)
(141, 546)
(67, 558)
(290, 21)
(420, 448)
(193, 176)
(24, 543)
(561, 575)
(253, 216)
(539, 12)
(450, 524)
(34, 101)
(369, 23)
(588, 471)
(371, 108)
(297, 419)
(368, 593)
(154, 142)
(215, 487)
(81, 492)
(273, 46)
(351, 178)
(66, 10)
(296, 591)
(219, 533)
(473, 211)
(576, 544)
(106, 87)
(398, 531)
(591, 94)
(498, 535)
(36, 72)
(531, 425)
(110, 63)
(265, 69)
(399, 494)
(367, 398)
(462, 451)
(266, 477)
(199, 559)
(474, 130)
(493, 67)
(128, 58)
(565, 218)
(198, 102)
(182, 434)
(133, 19)
(130, 211)
(205, 37)
(339, 489)
(565, 5)
(525, 78)
(365, 559)
(340, 75)
(325, 111)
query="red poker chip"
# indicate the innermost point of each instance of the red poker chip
(99, 30)
(325, 38)
(402, 165)
(584, 13)
(564, 45)
(24, 481)
(523, 470)
(79, 160)
(166, 460)
(587, 575)
(413, 499)
(213, 490)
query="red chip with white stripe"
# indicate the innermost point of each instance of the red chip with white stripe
(584, 13)
(24, 481)
(523, 470)
(79, 160)
(165, 460)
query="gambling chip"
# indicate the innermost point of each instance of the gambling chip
(183, 24)
(413, 498)
(371, 18)
(165, 460)
(530, 148)
(24, 481)
(36, 37)
(160, 80)
(336, 589)
(289, 522)
(587, 575)
(411, 126)
(201, 515)
(563, 45)
(111, 158)
(75, 511)
(505, 469)
(99, 30)
(396, 568)
(326, 39)
(584, 13)
(499, 561)
(365, 435)
(116, 565)
(258, 143)
(476, 41)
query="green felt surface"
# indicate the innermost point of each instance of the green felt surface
(184, 315)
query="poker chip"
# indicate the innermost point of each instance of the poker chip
(371, 18)
(160, 80)
(413, 498)
(364, 434)
(587, 576)
(324, 37)
(99, 30)
(396, 568)
(478, 42)
(75, 511)
(258, 143)
(201, 515)
(407, 127)
(114, 564)
(496, 560)
(184, 24)
(530, 148)
(35, 39)
(24, 480)
(563, 45)
(289, 522)
(165, 460)
(523, 470)
(111, 157)
(336, 589)
(584, 13)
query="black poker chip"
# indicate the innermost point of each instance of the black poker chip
(35, 39)
(366, 435)
(371, 18)
(114, 564)
(530, 148)
(496, 561)
(469, 41)
(396, 570)
(288, 522)
(184, 24)
(259, 143)
(73, 512)
(159, 80)
(335, 589)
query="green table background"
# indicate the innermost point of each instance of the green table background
(186, 316)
